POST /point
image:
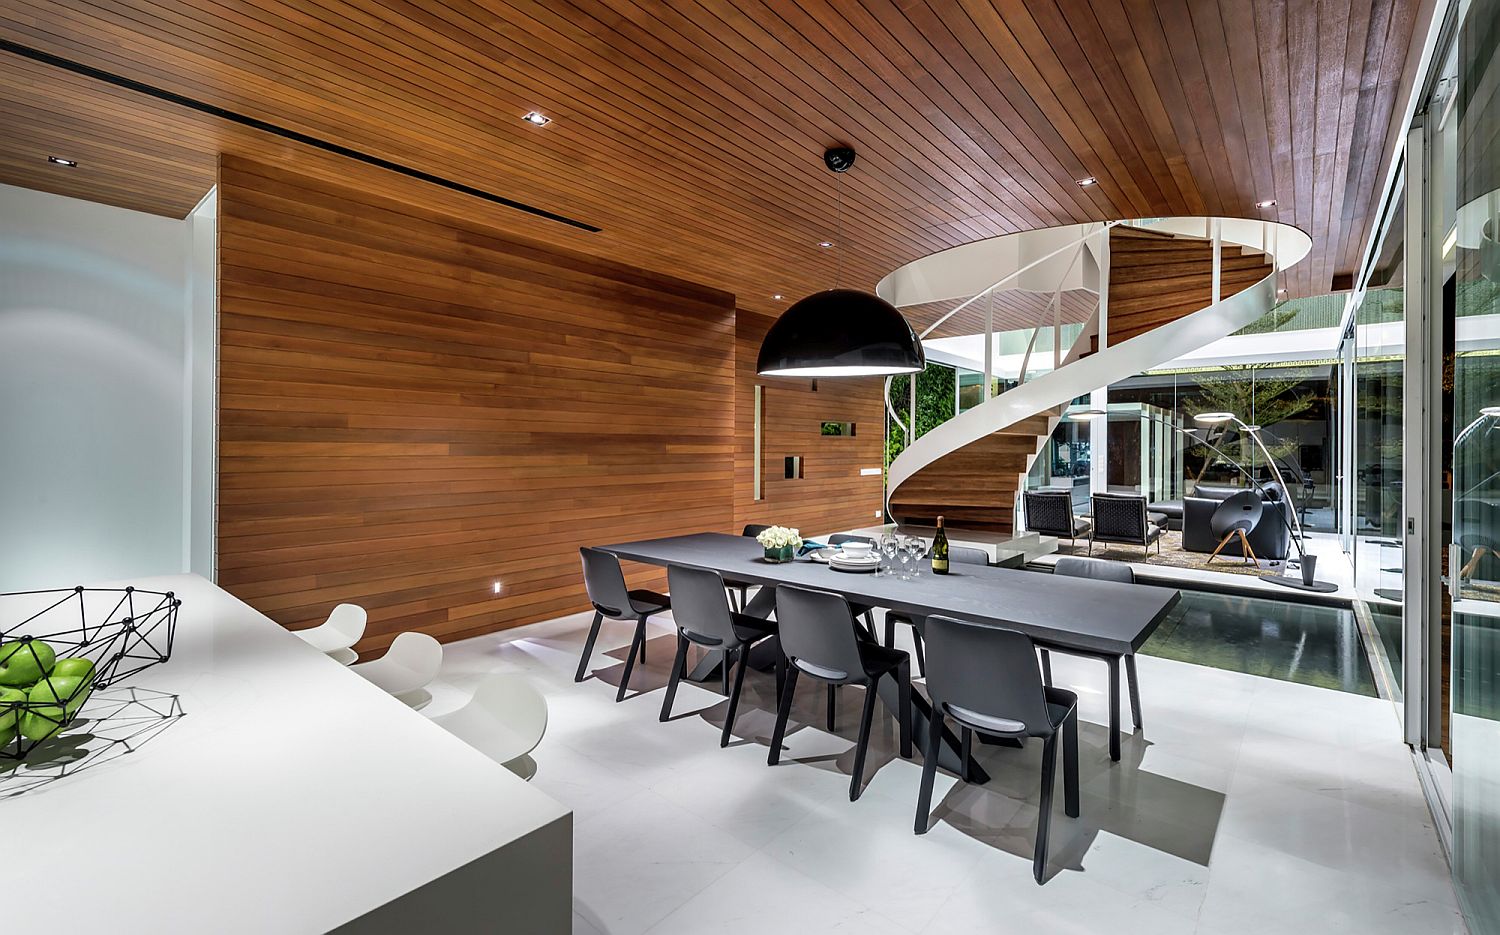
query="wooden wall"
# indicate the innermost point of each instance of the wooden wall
(831, 494)
(414, 407)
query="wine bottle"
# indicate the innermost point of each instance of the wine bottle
(940, 550)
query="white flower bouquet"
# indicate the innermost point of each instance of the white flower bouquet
(780, 543)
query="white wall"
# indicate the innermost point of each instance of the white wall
(94, 391)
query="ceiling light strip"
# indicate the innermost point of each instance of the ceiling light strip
(170, 97)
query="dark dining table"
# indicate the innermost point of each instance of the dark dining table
(1084, 614)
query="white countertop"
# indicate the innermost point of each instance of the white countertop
(293, 796)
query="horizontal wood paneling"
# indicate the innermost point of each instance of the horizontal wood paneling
(414, 407)
(690, 130)
(831, 494)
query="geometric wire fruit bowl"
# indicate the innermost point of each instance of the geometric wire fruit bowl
(70, 642)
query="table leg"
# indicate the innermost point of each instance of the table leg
(1114, 707)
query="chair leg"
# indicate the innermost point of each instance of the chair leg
(783, 711)
(833, 698)
(679, 666)
(862, 745)
(637, 645)
(965, 751)
(1135, 691)
(734, 694)
(780, 666)
(1044, 814)
(929, 770)
(1070, 764)
(916, 636)
(588, 646)
(724, 670)
(903, 707)
(1046, 668)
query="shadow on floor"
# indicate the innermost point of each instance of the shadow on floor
(1159, 812)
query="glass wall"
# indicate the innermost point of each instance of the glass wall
(1470, 267)
(1293, 404)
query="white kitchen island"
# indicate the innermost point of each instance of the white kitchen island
(291, 796)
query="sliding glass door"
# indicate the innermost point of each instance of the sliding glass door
(1470, 263)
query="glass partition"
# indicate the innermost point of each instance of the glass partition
(1471, 266)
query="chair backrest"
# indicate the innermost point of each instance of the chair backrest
(1119, 516)
(752, 530)
(605, 582)
(817, 633)
(974, 669)
(349, 621)
(839, 538)
(419, 654)
(1049, 511)
(1096, 568)
(506, 718)
(968, 555)
(699, 604)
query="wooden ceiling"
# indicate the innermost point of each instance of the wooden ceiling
(691, 131)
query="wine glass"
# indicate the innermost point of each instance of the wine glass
(903, 555)
(889, 543)
(918, 548)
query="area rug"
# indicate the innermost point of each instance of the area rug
(1172, 555)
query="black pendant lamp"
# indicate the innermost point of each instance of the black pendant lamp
(840, 332)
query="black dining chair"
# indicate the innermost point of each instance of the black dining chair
(605, 583)
(736, 586)
(985, 679)
(703, 616)
(1100, 570)
(864, 611)
(818, 637)
(961, 554)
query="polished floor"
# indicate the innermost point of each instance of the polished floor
(1249, 804)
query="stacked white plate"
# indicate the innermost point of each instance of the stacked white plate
(847, 561)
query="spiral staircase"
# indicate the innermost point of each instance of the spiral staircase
(1155, 282)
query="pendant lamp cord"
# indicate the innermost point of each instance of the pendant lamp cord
(838, 244)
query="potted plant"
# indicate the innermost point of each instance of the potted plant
(781, 544)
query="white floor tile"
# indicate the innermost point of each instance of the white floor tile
(1246, 805)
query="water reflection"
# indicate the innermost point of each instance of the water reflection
(1275, 639)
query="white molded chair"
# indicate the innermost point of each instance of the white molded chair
(411, 662)
(337, 635)
(505, 720)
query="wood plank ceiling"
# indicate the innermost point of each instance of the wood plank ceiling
(690, 131)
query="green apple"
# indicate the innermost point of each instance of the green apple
(24, 661)
(74, 666)
(9, 698)
(7, 734)
(53, 702)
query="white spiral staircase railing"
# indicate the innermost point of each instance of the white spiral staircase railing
(1073, 257)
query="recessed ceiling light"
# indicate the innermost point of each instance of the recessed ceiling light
(537, 118)
(1281, 292)
(1087, 180)
(60, 161)
(825, 244)
(777, 296)
(1268, 203)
